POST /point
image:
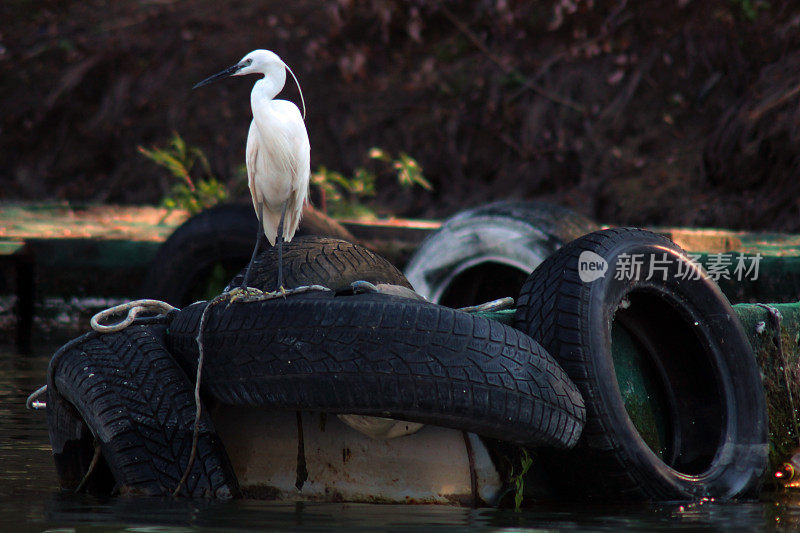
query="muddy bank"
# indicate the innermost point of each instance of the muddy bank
(673, 112)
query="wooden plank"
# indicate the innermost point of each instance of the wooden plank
(776, 278)
(86, 250)
(102, 244)
(711, 240)
(59, 221)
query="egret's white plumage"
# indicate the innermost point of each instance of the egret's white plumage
(278, 151)
(278, 154)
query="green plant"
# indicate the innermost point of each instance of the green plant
(519, 479)
(180, 160)
(409, 173)
(344, 196)
(341, 195)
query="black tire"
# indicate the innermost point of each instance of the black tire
(207, 250)
(325, 261)
(126, 392)
(486, 253)
(73, 448)
(201, 255)
(374, 354)
(698, 428)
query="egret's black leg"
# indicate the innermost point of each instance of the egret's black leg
(279, 244)
(259, 238)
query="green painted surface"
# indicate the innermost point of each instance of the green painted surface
(69, 237)
(638, 385)
(9, 247)
(86, 250)
(86, 267)
(747, 277)
(506, 316)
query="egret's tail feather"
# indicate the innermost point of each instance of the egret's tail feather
(291, 223)
(271, 221)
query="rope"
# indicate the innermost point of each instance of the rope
(32, 402)
(92, 465)
(236, 295)
(495, 305)
(133, 308)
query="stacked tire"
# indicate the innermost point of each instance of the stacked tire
(675, 403)
(121, 406)
(625, 367)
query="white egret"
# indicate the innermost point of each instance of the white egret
(278, 154)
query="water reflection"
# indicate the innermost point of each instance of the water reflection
(62, 511)
(30, 500)
(26, 465)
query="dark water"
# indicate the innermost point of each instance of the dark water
(31, 501)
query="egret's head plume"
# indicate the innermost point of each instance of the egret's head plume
(263, 62)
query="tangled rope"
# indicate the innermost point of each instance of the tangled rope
(133, 308)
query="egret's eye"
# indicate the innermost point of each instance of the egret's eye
(248, 61)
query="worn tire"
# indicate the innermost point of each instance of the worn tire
(692, 422)
(313, 260)
(374, 354)
(73, 448)
(220, 238)
(486, 253)
(125, 391)
(207, 250)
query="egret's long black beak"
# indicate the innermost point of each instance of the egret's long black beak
(230, 71)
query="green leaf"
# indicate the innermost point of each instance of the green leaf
(519, 479)
(179, 158)
(344, 195)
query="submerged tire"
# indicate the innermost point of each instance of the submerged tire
(313, 260)
(486, 253)
(674, 399)
(125, 392)
(380, 355)
(73, 449)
